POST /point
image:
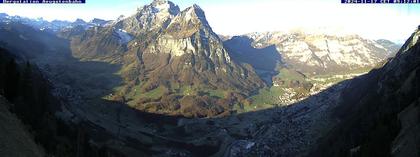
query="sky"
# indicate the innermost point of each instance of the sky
(234, 17)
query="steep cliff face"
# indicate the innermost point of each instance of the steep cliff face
(190, 49)
(320, 52)
(374, 106)
(190, 33)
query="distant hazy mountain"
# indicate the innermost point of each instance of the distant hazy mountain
(311, 52)
(99, 22)
(3, 15)
(28, 41)
(391, 46)
(53, 26)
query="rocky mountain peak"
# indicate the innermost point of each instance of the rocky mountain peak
(98, 22)
(195, 14)
(80, 21)
(159, 6)
(413, 40)
(159, 1)
(154, 16)
(165, 6)
(190, 26)
(190, 21)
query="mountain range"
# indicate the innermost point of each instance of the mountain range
(168, 53)
(161, 82)
(320, 53)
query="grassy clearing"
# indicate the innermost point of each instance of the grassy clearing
(267, 97)
(216, 93)
(288, 75)
(135, 94)
(155, 93)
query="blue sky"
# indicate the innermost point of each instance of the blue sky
(231, 17)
